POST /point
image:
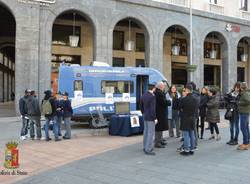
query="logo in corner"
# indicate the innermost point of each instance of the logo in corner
(11, 156)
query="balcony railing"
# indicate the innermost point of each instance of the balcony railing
(175, 2)
(215, 8)
(245, 15)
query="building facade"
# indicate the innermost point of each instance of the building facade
(153, 33)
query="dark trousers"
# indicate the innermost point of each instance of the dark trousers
(214, 126)
(201, 125)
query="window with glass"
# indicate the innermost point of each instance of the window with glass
(78, 85)
(118, 62)
(244, 5)
(140, 63)
(208, 47)
(214, 1)
(140, 42)
(117, 87)
(61, 33)
(183, 45)
(118, 40)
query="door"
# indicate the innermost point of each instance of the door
(141, 88)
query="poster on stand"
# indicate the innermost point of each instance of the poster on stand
(134, 121)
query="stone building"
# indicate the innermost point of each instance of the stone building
(34, 40)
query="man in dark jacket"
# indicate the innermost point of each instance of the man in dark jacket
(188, 107)
(67, 114)
(34, 115)
(51, 116)
(23, 111)
(161, 114)
(196, 95)
(148, 107)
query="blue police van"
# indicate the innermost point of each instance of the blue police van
(99, 87)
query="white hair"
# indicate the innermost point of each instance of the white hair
(159, 84)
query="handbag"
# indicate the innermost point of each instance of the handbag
(229, 114)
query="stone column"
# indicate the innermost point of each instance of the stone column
(27, 47)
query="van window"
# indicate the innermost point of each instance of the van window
(117, 87)
(78, 86)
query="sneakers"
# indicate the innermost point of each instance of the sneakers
(150, 153)
(218, 137)
(180, 149)
(23, 138)
(159, 146)
(212, 137)
(230, 142)
(184, 153)
(243, 147)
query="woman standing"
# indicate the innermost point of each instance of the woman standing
(203, 110)
(173, 112)
(67, 113)
(213, 115)
(232, 100)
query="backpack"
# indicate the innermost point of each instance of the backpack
(46, 108)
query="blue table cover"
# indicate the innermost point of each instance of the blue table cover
(120, 125)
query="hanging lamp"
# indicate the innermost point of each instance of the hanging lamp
(73, 39)
(175, 47)
(129, 46)
(213, 52)
(244, 56)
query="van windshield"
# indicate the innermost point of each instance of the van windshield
(117, 87)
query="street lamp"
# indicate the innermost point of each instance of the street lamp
(73, 39)
(244, 56)
(129, 46)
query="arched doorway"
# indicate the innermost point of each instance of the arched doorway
(215, 56)
(243, 60)
(72, 42)
(176, 51)
(130, 44)
(7, 55)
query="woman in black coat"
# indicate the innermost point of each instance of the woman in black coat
(213, 115)
(203, 110)
(161, 113)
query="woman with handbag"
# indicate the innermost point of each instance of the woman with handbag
(232, 113)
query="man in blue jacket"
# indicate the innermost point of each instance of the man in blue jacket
(148, 107)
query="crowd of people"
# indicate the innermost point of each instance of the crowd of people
(188, 110)
(55, 110)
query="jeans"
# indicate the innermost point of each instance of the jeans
(174, 123)
(244, 126)
(67, 127)
(55, 127)
(25, 123)
(234, 128)
(35, 120)
(59, 119)
(214, 126)
(148, 136)
(189, 140)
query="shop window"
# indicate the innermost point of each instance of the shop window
(140, 42)
(208, 46)
(140, 63)
(118, 62)
(61, 33)
(118, 40)
(117, 87)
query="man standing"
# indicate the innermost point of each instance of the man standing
(148, 102)
(34, 115)
(23, 111)
(161, 114)
(188, 107)
(244, 110)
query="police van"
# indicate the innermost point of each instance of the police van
(100, 87)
